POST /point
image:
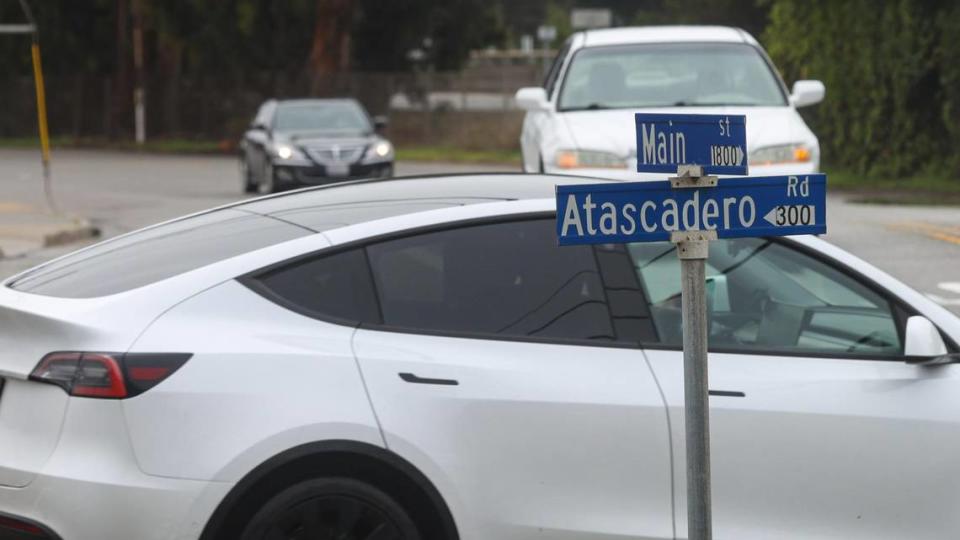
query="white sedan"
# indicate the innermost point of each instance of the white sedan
(581, 120)
(418, 359)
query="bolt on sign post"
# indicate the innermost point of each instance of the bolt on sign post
(31, 28)
(691, 209)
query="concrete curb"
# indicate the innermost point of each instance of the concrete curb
(82, 229)
(30, 232)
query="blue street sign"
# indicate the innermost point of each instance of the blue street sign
(718, 142)
(650, 211)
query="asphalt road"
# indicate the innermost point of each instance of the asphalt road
(120, 192)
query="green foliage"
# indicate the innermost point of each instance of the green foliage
(891, 77)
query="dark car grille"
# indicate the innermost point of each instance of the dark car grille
(335, 153)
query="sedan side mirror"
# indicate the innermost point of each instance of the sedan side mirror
(380, 122)
(807, 93)
(923, 342)
(532, 98)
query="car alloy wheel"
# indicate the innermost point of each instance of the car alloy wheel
(331, 509)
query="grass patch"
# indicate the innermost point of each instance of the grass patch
(458, 155)
(923, 189)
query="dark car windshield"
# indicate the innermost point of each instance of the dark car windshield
(330, 116)
(670, 75)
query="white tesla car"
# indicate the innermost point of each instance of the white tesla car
(581, 120)
(418, 359)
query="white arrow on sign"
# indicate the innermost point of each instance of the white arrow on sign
(791, 215)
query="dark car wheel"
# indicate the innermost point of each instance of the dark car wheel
(331, 509)
(246, 176)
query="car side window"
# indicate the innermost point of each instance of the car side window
(335, 286)
(503, 279)
(550, 82)
(766, 296)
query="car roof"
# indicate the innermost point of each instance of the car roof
(313, 101)
(339, 205)
(665, 34)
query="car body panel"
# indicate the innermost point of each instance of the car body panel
(824, 447)
(538, 439)
(245, 346)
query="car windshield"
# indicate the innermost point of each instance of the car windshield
(669, 75)
(332, 116)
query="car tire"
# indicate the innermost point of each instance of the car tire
(268, 182)
(331, 508)
(246, 176)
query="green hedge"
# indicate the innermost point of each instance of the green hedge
(892, 71)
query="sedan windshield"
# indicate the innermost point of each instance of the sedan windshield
(669, 75)
(333, 116)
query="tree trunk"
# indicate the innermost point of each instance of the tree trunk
(330, 51)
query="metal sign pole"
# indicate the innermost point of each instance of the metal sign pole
(692, 250)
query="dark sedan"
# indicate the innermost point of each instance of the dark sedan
(303, 142)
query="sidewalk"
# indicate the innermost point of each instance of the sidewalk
(25, 228)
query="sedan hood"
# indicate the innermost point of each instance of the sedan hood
(614, 131)
(327, 139)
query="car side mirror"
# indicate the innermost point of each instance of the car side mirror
(807, 93)
(380, 122)
(532, 98)
(924, 345)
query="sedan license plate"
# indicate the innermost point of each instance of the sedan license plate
(338, 169)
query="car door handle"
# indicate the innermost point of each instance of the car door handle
(411, 378)
(727, 393)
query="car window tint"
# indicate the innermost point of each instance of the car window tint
(507, 279)
(336, 285)
(156, 253)
(765, 295)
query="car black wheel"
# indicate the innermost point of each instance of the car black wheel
(246, 176)
(331, 509)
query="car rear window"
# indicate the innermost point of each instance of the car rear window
(157, 253)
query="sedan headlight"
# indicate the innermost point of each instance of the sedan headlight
(589, 159)
(784, 153)
(285, 151)
(379, 151)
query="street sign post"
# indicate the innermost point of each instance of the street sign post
(690, 210)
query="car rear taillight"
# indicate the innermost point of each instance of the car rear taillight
(107, 375)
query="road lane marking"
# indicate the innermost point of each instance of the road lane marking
(937, 232)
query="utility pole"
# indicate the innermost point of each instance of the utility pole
(139, 107)
(31, 28)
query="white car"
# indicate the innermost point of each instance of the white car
(581, 120)
(418, 359)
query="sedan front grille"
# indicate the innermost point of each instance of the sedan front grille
(335, 153)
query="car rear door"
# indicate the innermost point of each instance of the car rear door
(498, 372)
(819, 427)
